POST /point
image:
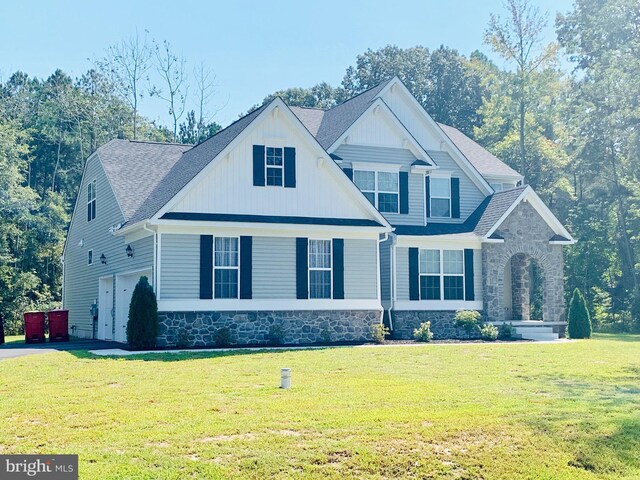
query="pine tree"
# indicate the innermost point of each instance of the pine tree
(142, 327)
(579, 318)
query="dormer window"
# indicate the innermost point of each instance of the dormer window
(441, 197)
(275, 166)
(380, 188)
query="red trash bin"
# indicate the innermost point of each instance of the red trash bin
(34, 327)
(59, 326)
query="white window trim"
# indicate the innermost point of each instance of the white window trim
(376, 190)
(432, 196)
(93, 186)
(237, 267)
(90, 257)
(442, 275)
(267, 167)
(324, 269)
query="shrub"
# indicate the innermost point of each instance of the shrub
(423, 333)
(505, 331)
(379, 332)
(183, 339)
(468, 319)
(488, 332)
(276, 334)
(579, 318)
(142, 327)
(222, 337)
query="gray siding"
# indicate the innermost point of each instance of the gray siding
(385, 273)
(274, 268)
(81, 280)
(470, 196)
(179, 266)
(396, 156)
(360, 269)
(402, 273)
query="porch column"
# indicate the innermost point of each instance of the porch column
(520, 285)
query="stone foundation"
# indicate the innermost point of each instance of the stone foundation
(442, 324)
(202, 329)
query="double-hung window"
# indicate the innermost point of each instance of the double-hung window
(442, 274)
(275, 166)
(91, 201)
(319, 268)
(440, 197)
(380, 188)
(225, 267)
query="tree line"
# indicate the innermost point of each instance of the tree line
(564, 113)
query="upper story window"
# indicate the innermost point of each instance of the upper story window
(226, 267)
(501, 187)
(91, 201)
(320, 269)
(380, 188)
(440, 197)
(441, 274)
(90, 257)
(275, 166)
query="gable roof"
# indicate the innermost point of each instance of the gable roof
(483, 160)
(311, 118)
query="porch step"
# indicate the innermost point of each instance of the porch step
(536, 333)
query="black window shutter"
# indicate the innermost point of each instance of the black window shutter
(338, 268)
(468, 275)
(206, 266)
(348, 172)
(455, 198)
(258, 165)
(427, 196)
(302, 274)
(404, 192)
(289, 167)
(414, 275)
(246, 267)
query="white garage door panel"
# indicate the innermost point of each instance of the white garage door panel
(105, 309)
(125, 284)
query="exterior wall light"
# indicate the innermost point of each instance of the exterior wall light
(103, 259)
(129, 251)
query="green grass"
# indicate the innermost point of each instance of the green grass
(509, 411)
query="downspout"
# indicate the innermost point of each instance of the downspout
(392, 281)
(155, 256)
(381, 240)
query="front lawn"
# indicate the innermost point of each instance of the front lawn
(510, 411)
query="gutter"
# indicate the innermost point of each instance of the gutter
(155, 256)
(392, 279)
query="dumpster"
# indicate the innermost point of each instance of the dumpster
(34, 327)
(59, 326)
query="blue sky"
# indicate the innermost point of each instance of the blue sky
(253, 47)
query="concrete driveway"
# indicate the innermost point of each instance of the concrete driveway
(21, 349)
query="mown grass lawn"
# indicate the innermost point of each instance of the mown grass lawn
(435, 411)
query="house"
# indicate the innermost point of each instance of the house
(303, 225)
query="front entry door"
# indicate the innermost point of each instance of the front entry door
(105, 309)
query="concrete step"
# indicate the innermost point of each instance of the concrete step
(535, 329)
(536, 333)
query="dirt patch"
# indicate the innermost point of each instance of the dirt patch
(228, 438)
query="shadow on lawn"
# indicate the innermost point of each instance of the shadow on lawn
(189, 355)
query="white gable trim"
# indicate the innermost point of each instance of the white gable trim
(529, 195)
(377, 107)
(458, 156)
(276, 107)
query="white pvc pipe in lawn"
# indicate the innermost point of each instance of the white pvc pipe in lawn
(285, 378)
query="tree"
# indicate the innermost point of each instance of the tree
(518, 40)
(579, 318)
(171, 69)
(143, 327)
(194, 132)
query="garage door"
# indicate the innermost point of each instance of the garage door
(105, 309)
(125, 284)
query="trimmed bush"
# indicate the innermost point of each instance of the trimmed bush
(222, 337)
(423, 333)
(505, 331)
(469, 320)
(143, 327)
(276, 334)
(379, 333)
(489, 332)
(579, 318)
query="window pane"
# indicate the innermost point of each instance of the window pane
(226, 252)
(497, 187)
(274, 156)
(226, 283)
(387, 182)
(453, 288)
(274, 176)
(320, 284)
(429, 287)
(388, 202)
(440, 187)
(319, 253)
(452, 261)
(371, 197)
(430, 261)
(440, 207)
(364, 180)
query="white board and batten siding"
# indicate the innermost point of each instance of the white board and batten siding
(81, 281)
(273, 268)
(365, 154)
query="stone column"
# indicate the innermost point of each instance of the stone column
(520, 280)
